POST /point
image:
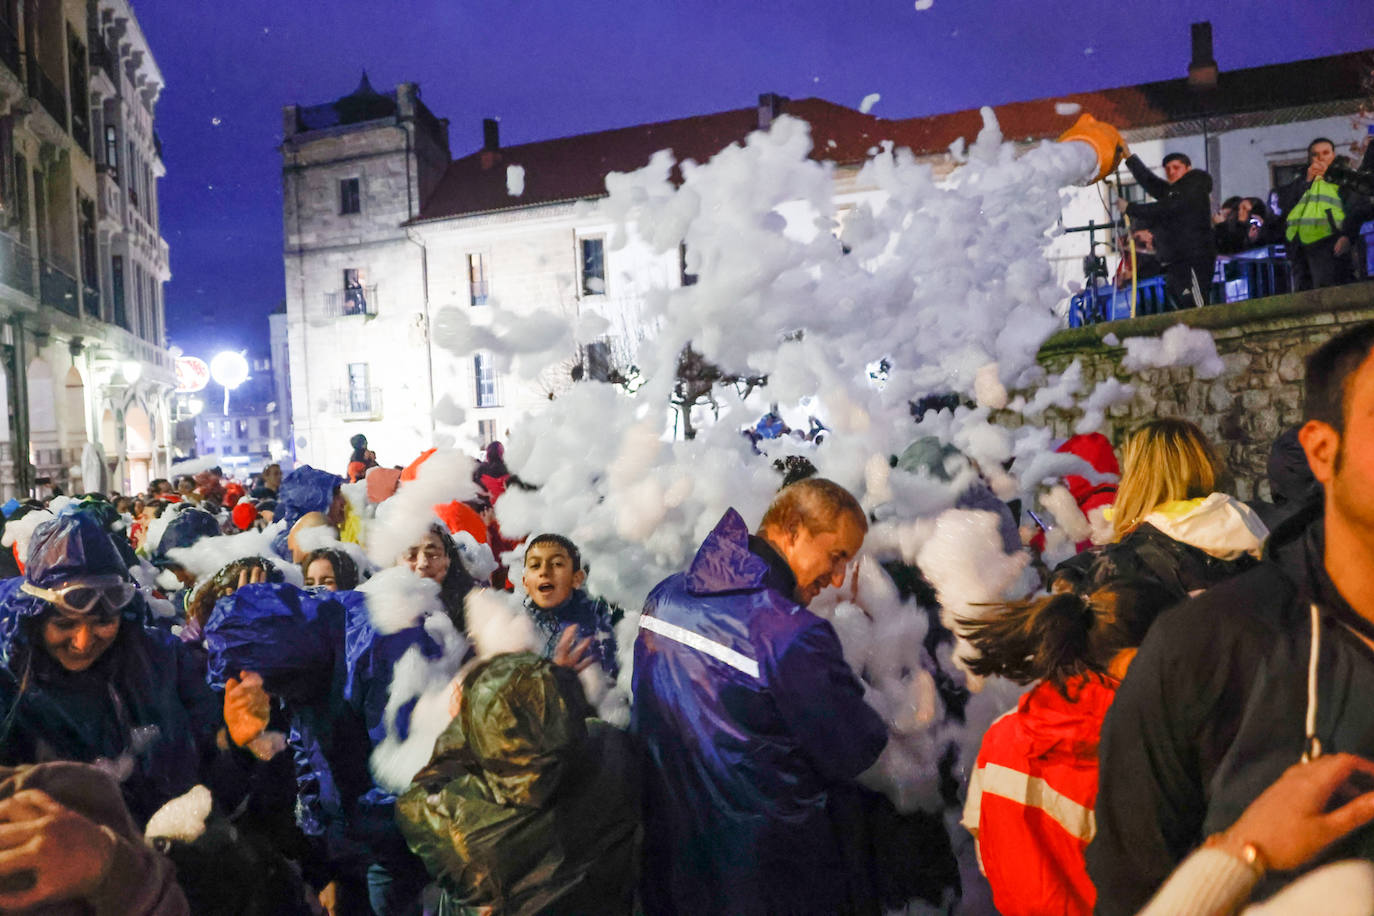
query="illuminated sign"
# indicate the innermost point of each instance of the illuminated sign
(192, 374)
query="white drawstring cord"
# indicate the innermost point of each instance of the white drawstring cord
(1312, 746)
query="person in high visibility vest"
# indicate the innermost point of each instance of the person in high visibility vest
(1317, 232)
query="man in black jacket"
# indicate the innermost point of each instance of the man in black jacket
(1181, 220)
(1216, 705)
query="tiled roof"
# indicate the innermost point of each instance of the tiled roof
(1298, 84)
(575, 167)
(571, 168)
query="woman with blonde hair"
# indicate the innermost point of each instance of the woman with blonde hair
(1163, 461)
(1171, 524)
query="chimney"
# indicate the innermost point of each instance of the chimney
(1202, 69)
(407, 95)
(491, 143)
(770, 106)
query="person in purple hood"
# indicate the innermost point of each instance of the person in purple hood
(753, 726)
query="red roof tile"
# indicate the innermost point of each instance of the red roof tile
(575, 167)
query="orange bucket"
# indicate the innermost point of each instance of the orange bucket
(1102, 137)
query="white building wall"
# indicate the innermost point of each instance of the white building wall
(533, 264)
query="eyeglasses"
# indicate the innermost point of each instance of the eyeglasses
(106, 595)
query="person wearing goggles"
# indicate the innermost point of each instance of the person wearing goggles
(85, 618)
(94, 683)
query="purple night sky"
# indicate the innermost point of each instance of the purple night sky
(548, 68)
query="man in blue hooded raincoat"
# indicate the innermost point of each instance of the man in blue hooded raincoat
(753, 724)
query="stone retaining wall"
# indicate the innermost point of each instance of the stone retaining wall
(1263, 344)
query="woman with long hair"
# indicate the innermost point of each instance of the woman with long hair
(435, 557)
(1170, 522)
(1031, 796)
(331, 569)
(1163, 461)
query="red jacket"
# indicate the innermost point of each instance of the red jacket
(1031, 797)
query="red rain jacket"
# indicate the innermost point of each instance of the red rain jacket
(1031, 797)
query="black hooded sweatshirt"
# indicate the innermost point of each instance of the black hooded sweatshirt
(1181, 215)
(1212, 711)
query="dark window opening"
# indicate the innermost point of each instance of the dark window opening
(355, 292)
(477, 278)
(593, 267)
(484, 370)
(112, 150)
(350, 196)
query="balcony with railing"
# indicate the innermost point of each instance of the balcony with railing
(81, 128)
(48, 93)
(90, 300)
(59, 289)
(9, 47)
(1253, 274)
(102, 59)
(358, 403)
(16, 265)
(130, 346)
(351, 301)
(109, 198)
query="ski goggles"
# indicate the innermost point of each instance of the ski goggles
(102, 596)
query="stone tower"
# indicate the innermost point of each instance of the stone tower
(354, 173)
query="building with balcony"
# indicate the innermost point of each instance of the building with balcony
(384, 233)
(86, 373)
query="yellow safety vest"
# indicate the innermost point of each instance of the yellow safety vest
(1312, 218)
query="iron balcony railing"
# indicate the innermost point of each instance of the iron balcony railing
(16, 265)
(102, 59)
(9, 47)
(48, 93)
(59, 289)
(350, 301)
(81, 129)
(358, 403)
(90, 300)
(1254, 274)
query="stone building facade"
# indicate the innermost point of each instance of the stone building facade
(354, 173)
(82, 264)
(1263, 346)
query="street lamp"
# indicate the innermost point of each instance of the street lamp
(229, 369)
(132, 370)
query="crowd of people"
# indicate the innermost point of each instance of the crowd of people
(317, 708)
(1316, 218)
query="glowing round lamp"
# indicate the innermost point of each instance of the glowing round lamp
(229, 369)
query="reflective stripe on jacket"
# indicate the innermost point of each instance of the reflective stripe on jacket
(1317, 215)
(1031, 797)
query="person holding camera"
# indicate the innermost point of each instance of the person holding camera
(1318, 230)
